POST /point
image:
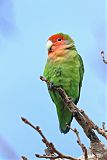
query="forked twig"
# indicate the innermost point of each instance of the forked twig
(84, 149)
(94, 126)
(48, 144)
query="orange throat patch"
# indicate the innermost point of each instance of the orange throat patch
(57, 53)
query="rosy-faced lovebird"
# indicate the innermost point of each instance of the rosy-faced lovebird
(64, 68)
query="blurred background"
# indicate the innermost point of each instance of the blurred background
(24, 29)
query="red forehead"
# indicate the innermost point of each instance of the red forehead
(55, 37)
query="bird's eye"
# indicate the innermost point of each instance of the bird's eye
(59, 39)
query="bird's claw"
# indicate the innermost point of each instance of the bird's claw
(51, 85)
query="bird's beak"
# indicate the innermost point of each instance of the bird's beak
(49, 45)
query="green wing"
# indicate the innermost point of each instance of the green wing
(81, 73)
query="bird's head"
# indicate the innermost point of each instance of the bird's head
(59, 42)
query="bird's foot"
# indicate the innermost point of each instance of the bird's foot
(50, 86)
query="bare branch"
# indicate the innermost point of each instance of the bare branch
(84, 149)
(95, 127)
(84, 121)
(46, 156)
(47, 143)
(103, 57)
(54, 157)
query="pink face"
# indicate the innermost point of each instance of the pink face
(55, 42)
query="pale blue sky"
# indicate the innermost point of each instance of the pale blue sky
(25, 26)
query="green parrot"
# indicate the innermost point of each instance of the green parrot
(64, 68)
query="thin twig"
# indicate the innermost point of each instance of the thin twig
(37, 128)
(24, 158)
(84, 149)
(94, 126)
(52, 157)
(47, 143)
(103, 57)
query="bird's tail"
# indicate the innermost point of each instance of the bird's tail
(65, 117)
